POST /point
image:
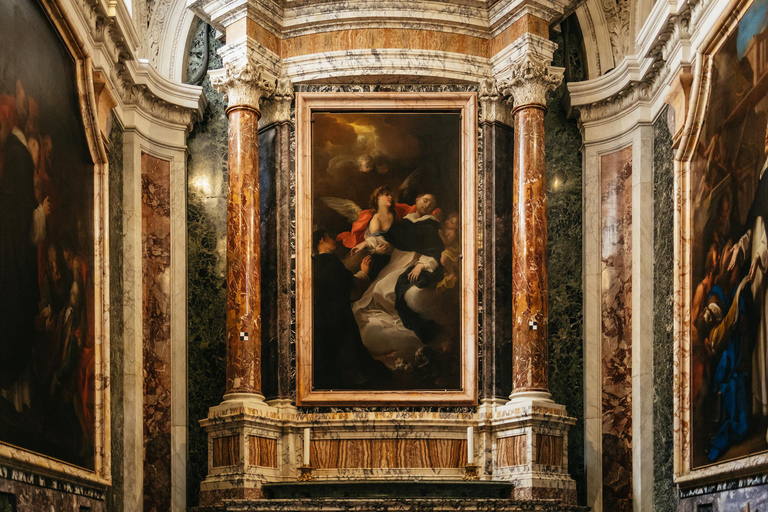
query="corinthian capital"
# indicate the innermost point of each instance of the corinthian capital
(530, 82)
(245, 85)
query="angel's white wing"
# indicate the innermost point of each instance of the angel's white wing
(347, 208)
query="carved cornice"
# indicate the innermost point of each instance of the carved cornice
(649, 73)
(244, 85)
(530, 82)
(134, 82)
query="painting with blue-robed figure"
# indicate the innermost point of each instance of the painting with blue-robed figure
(729, 252)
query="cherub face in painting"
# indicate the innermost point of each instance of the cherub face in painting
(450, 230)
(425, 203)
(365, 164)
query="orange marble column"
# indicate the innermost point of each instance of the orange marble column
(529, 253)
(528, 87)
(243, 253)
(245, 86)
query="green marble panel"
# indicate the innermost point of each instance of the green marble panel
(116, 343)
(206, 264)
(564, 237)
(664, 493)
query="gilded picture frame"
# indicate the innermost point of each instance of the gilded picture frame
(720, 421)
(346, 143)
(87, 252)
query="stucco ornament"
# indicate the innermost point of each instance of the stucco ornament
(245, 84)
(283, 97)
(489, 97)
(530, 82)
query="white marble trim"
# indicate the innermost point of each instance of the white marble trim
(354, 63)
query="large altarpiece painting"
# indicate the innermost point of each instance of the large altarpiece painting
(386, 274)
(722, 255)
(52, 247)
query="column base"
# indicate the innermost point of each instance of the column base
(214, 491)
(244, 443)
(531, 440)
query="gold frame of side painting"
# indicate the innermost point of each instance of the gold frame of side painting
(719, 356)
(95, 287)
(357, 115)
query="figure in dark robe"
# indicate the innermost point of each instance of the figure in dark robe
(340, 361)
(18, 256)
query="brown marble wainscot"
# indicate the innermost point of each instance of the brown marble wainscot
(616, 204)
(156, 258)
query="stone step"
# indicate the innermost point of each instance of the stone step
(391, 504)
(388, 489)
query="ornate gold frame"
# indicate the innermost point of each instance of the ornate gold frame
(87, 86)
(466, 103)
(700, 93)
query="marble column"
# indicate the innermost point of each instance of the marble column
(528, 87)
(237, 425)
(245, 87)
(531, 430)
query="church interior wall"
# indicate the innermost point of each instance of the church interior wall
(167, 245)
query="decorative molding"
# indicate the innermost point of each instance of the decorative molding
(137, 83)
(530, 82)
(664, 45)
(246, 84)
(355, 65)
(489, 97)
(283, 97)
(527, 45)
(618, 14)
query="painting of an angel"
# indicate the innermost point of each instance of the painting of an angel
(386, 247)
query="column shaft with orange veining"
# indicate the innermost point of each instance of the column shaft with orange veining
(529, 253)
(243, 254)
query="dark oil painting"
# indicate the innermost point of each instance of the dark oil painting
(46, 244)
(386, 280)
(729, 262)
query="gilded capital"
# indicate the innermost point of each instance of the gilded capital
(245, 85)
(530, 81)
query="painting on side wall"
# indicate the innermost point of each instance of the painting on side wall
(47, 274)
(384, 232)
(728, 247)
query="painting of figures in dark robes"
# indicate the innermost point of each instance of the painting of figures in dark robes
(386, 240)
(729, 262)
(46, 244)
